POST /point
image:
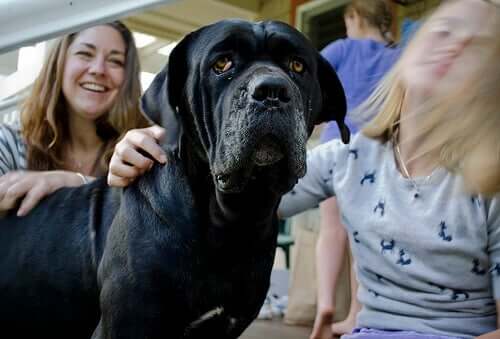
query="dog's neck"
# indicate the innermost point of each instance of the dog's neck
(250, 214)
(257, 203)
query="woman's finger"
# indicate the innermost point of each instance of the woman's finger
(147, 141)
(132, 157)
(117, 181)
(32, 198)
(123, 170)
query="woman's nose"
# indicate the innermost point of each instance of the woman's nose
(97, 66)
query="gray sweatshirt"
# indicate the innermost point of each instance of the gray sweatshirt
(427, 254)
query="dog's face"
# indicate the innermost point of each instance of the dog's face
(246, 96)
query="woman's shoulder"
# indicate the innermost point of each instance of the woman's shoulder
(342, 45)
(334, 50)
(11, 128)
(12, 148)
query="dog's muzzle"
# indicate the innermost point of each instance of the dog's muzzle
(266, 128)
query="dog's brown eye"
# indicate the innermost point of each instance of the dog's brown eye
(296, 66)
(222, 65)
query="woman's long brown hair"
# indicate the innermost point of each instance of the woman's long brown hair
(44, 115)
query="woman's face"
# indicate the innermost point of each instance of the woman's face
(448, 49)
(94, 71)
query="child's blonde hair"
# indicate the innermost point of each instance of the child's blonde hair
(462, 128)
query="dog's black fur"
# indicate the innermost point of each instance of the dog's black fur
(186, 251)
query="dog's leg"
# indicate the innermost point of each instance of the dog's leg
(130, 311)
(129, 302)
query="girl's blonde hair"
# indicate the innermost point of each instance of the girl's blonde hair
(44, 116)
(387, 99)
(465, 128)
(461, 128)
(377, 13)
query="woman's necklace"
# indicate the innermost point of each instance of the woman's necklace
(406, 173)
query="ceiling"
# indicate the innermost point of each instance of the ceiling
(171, 22)
(167, 23)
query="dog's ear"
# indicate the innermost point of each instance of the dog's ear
(334, 106)
(160, 102)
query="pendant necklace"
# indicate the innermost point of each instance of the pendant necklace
(406, 173)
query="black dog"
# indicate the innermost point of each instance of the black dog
(187, 251)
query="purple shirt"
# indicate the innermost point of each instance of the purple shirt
(360, 64)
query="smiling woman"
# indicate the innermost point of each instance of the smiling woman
(85, 98)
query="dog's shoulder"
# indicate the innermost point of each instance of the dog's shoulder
(163, 191)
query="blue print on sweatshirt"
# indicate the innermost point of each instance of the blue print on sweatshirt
(475, 200)
(354, 152)
(459, 294)
(387, 245)
(380, 207)
(455, 294)
(354, 236)
(442, 233)
(404, 258)
(329, 178)
(477, 269)
(370, 177)
(495, 269)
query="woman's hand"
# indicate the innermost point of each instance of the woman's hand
(30, 187)
(322, 328)
(127, 163)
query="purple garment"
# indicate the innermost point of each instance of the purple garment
(368, 333)
(360, 64)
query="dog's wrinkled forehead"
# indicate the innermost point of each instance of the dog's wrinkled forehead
(193, 78)
(260, 39)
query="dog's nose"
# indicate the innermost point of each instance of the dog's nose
(271, 90)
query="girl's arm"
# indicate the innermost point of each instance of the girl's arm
(315, 186)
(330, 254)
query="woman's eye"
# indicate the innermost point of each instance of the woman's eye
(296, 66)
(222, 65)
(117, 62)
(84, 54)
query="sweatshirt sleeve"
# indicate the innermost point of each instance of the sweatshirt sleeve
(493, 222)
(316, 185)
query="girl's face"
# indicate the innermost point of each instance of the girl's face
(94, 71)
(352, 22)
(448, 49)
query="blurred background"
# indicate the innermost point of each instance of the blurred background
(157, 29)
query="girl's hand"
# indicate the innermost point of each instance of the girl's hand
(29, 187)
(127, 162)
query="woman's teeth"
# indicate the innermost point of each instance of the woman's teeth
(94, 87)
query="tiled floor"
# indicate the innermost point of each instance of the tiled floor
(275, 329)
